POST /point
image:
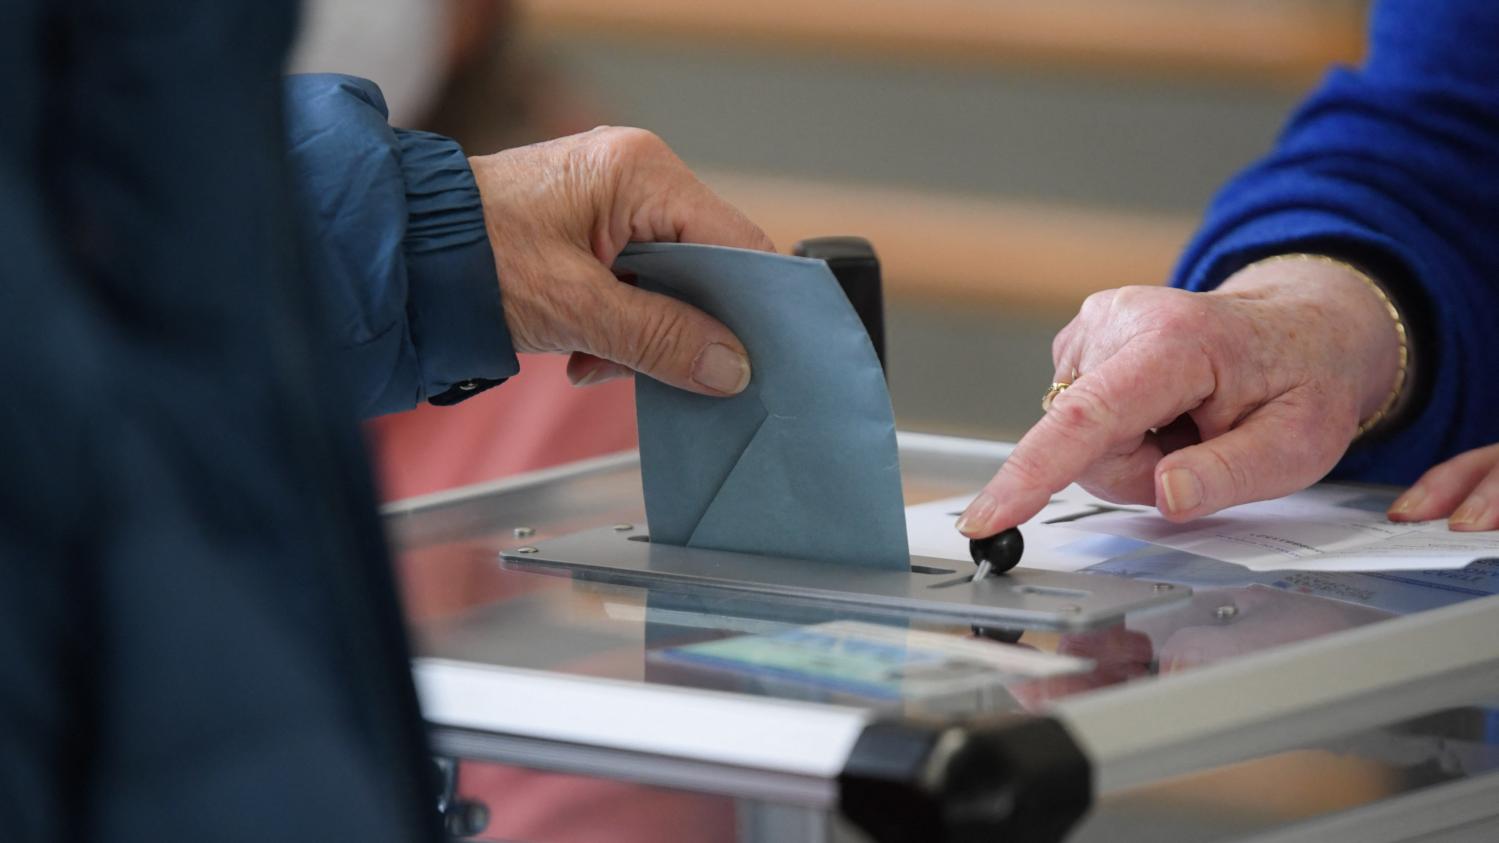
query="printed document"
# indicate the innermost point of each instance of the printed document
(1325, 528)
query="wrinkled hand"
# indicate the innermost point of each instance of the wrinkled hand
(560, 212)
(1464, 490)
(1198, 401)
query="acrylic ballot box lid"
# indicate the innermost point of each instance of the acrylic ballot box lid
(1187, 706)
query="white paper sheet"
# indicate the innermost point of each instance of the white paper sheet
(932, 531)
(1326, 528)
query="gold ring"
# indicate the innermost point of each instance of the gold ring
(1055, 390)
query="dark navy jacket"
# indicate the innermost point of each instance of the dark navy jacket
(397, 248)
(199, 634)
(1396, 166)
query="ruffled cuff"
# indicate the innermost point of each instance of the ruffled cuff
(457, 318)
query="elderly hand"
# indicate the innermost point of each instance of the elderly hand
(1198, 401)
(1464, 490)
(558, 214)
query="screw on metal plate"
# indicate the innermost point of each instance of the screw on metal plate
(623, 528)
(1163, 586)
(1224, 613)
(524, 532)
(527, 549)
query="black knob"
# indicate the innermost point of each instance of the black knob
(1001, 551)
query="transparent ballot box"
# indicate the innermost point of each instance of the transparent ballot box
(581, 684)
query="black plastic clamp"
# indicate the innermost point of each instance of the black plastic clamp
(1013, 778)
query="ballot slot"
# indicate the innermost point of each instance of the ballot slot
(1022, 598)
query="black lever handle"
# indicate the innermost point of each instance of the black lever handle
(857, 268)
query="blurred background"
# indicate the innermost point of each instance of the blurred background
(1005, 157)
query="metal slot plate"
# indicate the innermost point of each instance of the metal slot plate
(1021, 598)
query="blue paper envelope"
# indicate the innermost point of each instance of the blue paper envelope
(803, 463)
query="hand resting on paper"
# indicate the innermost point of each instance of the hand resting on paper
(1464, 490)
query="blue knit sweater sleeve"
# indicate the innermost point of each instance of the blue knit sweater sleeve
(396, 247)
(1396, 162)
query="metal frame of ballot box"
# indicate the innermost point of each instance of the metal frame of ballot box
(886, 777)
(1022, 599)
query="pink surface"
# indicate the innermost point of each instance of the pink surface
(535, 420)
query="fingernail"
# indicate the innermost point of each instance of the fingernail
(1182, 489)
(721, 369)
(1469, 514)
(1407, 503)
(976, 516)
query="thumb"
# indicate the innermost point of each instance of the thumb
(1273, 452)
(667, 339)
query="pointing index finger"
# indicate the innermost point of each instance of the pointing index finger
(1123, 398)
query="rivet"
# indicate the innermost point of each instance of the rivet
(623, 528)
(1223, 613)
(524, 532)
(1070, 608)
(1163, 586)
(526, 550)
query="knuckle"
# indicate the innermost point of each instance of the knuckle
(1171, 322)
(1179, 316)
(614, 151)
(1129, 296)
(1061, 342)
(631, 142)
(1081, 410)
(658, 340)
(1097, 303)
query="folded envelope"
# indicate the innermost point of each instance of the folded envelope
(803, 463)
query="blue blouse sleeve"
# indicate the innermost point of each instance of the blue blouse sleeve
(396, 244)
(1395, 165)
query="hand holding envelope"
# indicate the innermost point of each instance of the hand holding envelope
(801, 464)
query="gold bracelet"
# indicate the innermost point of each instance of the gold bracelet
(1401, 334)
